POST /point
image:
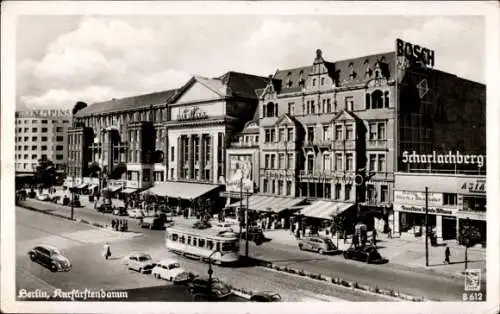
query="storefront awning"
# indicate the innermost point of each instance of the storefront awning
(325, 209)
(183, 190)
(114, 188)
(82, 186)
(267, 203)
(129, 191)
(93, 186)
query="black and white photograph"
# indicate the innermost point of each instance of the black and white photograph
(193, 155)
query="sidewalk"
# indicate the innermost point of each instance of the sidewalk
(409, 253)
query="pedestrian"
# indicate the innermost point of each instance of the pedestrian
(107, 251)
(374, 236)
(113, 223)
(447, 254)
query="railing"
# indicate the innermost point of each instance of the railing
(244, 144)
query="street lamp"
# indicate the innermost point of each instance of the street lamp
(210, 270)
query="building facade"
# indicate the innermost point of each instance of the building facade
(41, 134)
(451, 199)
(178, 135)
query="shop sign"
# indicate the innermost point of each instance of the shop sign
(418, 198)
(193, 113)
(415, 53)
(476, 186)
(430, 210)
(133, 184)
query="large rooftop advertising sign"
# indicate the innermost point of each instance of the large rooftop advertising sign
(415, 53)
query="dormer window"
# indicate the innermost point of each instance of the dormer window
(352, 73)
(301, 78)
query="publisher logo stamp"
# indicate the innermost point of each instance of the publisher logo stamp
(472, 280)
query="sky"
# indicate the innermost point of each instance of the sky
(64, 59)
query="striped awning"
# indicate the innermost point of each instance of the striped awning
(325, 209)
(182, 190)
(267, 203)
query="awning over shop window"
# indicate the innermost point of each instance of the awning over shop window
(267, 203)
(325, 209)
(114, 188)
(93, 186)
(129, 191)
(181, 190)
(82, 186)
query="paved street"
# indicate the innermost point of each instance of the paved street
(420, 283)
(83, 245)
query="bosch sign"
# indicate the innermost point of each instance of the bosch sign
(415, 53)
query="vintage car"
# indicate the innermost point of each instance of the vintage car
(50, 257)
(200, 287)
(141, 262)
(170, 270)
(265, 296)
(322, 245)
(43, 197)
(367, 254)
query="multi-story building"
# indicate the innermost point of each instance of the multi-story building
(338, 131)
(41, 134)
(176, 139)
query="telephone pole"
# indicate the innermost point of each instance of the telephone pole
(426, 226)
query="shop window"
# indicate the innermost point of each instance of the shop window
(288, 188)
(449, 198)
(348, 188)
(338, 189)
(265, 185)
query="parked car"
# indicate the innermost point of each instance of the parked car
(50, 257)
(43, 197)
(202, 225)
(170, 270)
(318, 244)
(255, 234)
(159, 222)
(135, 213)
(265, 296)
(199, 287)
(141, 262)
(120, 211)
(104, 208)
(367, 254)
(224, 227)
(55, 198)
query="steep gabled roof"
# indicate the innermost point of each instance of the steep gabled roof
(290, 78)
(286, 117)
(128, 103)
(344, 112)
(242, 84)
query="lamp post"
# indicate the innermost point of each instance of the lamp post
(72, 191)
(210, 270)
(426, 226)
(246, 226)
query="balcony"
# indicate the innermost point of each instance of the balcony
(323, 142)
(344, 145)
(244, 144)
(377, 144)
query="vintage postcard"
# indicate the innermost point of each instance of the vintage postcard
(189, 156)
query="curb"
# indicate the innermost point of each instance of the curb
(338, 281)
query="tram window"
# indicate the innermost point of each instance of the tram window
(229, 246)
(217, 246)
(194, 241)
(210, 244)
(182, 239)
(201, 242)
(175, 236)
(189, 240)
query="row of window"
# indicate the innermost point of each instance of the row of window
(35, 156)
(374, 100)
(209, 244)
(35, 130)
(285, 161)
(43, 147)
(35, 121)
(125, 118)
(42, 138)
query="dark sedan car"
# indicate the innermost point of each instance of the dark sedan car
(200, 288)
(265, 296)
(367, 254)
(50, 257)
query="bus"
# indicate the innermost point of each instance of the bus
(200, 243)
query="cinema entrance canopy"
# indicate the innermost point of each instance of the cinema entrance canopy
(182, 190)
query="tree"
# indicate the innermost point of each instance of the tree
(94, 170)
(469, 236)
(117, 171)
(45, 172)
(338, 226)
(79, 105)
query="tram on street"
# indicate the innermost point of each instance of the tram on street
(221, 246)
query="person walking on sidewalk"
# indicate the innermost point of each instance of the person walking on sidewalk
(107, 251)
(447, 255)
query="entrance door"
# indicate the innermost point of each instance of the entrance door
(449, 228)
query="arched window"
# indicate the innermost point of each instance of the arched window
(386, 99)
(367, 100)
(270, 110)
(377, 100)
